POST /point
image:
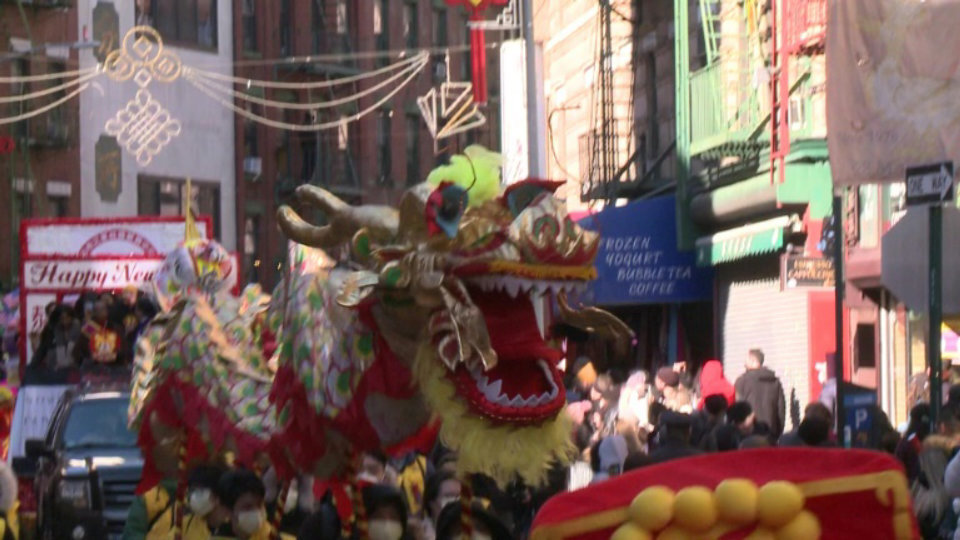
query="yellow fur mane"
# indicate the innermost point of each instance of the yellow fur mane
(500, 451)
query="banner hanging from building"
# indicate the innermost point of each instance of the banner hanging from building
(893, 87)
(638, 261)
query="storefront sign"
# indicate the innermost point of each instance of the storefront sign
(638, 261)
(731, 245)
(108, 168)
(106, 30)
(106, 237)
(798, 271)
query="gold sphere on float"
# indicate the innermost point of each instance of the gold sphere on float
(736, 500)
(674, 533)
(630, 531)
(778, 502)
(805, 526)
(652, 509)
(761, 534)
(694, 509)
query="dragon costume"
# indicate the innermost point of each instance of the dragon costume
(427, 327)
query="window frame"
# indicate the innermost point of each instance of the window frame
(412, 149)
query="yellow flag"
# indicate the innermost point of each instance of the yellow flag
(191, 233)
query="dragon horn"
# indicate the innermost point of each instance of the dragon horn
(345, 220)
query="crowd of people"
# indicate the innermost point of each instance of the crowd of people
(96, 330)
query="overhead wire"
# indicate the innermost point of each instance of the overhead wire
(45, 108)
(311, 105)
(202, 86)
(246, 81)
(47, 91)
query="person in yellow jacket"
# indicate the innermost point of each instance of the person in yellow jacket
(243, 495)
(151, 515)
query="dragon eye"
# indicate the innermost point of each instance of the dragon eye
(445, 207)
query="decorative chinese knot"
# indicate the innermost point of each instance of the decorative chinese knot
(478, 44)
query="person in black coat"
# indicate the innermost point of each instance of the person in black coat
(761, 388)
(674, 438)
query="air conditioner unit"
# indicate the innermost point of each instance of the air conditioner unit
(252, 166)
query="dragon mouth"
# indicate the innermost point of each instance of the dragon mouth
(525, 386)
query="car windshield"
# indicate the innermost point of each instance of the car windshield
(98, 423)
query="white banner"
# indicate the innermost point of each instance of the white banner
(122, 237)
(31, 417)
(95, 275)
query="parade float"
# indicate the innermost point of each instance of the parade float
(425, 328)
(782, 494)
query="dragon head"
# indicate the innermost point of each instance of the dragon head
(456, 275)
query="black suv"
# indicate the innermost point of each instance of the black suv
(87, 468)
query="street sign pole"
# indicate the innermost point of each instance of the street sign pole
(936, 312)
(933, 185)
(839, 285)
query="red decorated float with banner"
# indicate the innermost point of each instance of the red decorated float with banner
(62, 258)
(782, 493)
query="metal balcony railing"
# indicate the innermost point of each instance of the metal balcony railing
(726, 104)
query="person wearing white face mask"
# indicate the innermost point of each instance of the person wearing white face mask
(242, 494)
(206, 515)
(442, 489)
(386, 513)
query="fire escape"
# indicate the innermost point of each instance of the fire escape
(603, 171)
(745, 101)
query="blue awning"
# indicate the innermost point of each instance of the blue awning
(638, 261)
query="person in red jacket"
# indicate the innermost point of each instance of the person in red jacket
(713, 382)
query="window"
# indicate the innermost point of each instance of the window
(58, 206)
(20, 68)
(342, 21)
(410, 28)
(440, 27)
(285, 30)
(251, 247)
(251, 139)
(317, 23)
(308, 157)
(167, 197)
(413, 149)
(382, 10)
(343, 134)
(383, 144)
(866, 344)
(183, 22)
(249, 25)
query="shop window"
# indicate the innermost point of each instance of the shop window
(167, 197)
(182, 22)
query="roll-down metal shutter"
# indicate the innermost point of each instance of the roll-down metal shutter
(754, 314)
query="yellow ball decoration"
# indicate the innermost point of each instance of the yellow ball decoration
(737, 501)
(805, 526)
(694, 509)
(761, 534)
(652, 509)
(778, 502)
(630, 531)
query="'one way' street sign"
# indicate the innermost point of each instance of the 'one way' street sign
(930, 184)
